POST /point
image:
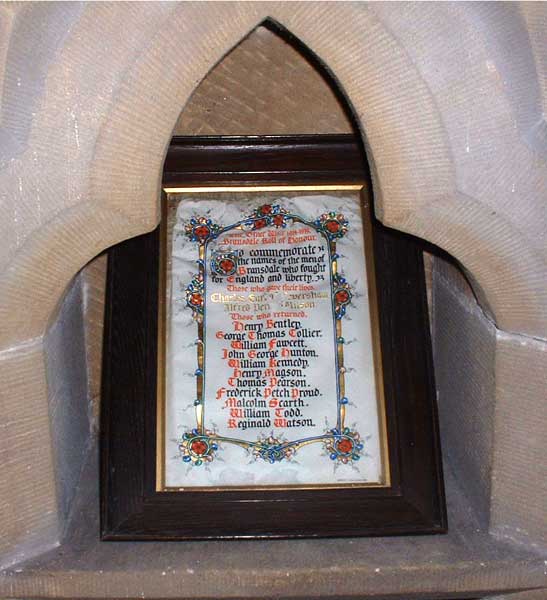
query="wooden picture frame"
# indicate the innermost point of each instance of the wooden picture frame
(135, 504)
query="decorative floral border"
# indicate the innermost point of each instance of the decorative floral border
(200, 445)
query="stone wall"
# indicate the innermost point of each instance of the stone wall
(451, 100)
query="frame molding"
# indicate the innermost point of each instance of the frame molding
(133, 509)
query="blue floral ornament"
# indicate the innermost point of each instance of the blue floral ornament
(269, 214)
(272, 450)
(342, 294)
(201, 229)
(224, 264)
(344, 446)
(333, 225)
(197, 449)
(195, 296)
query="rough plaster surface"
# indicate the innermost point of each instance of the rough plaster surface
(451, 99)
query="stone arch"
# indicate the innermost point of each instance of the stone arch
(85, 173)
(407, 136)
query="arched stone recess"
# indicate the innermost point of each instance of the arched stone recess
(438, 101)
(104, 124)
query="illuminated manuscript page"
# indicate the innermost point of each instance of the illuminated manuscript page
(269, 364)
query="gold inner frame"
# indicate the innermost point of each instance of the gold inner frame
(374, 322)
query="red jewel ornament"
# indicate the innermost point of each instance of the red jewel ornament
(266, 209)
(345, 446)
(332, 226)
(278, 220)
(198, 447)
(341, 296)
(196, 299)
(227, 265)
(260, 223)
(202, 231)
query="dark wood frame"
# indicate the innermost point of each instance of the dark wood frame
(132, 509)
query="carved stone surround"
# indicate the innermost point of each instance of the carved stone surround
(452, 97)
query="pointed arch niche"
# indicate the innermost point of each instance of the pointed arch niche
(271, 84)
(415, 168)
